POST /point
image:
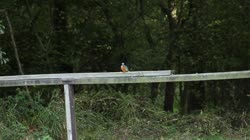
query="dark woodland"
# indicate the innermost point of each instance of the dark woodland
(187, 36)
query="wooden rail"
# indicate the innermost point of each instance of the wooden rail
(116, 78)
(70, 79)
(80, 78)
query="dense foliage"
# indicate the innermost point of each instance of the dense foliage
(188, 36)
(111, 115)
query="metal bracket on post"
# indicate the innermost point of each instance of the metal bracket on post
(70, 111)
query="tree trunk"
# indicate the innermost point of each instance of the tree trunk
(14, 44)
(170, 57)
(186, 107)
(154, 91)
(169, 97)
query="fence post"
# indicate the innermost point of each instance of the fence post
(70, 111)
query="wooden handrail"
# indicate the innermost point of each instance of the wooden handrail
(116, 78)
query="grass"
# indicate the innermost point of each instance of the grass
(113, 115)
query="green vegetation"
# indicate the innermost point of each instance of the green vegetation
(188, 36)
(106, 115)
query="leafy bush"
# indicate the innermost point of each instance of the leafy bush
(25, 118)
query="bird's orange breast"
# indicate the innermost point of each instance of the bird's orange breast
(123, 69)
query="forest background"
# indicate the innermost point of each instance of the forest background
(188, 36)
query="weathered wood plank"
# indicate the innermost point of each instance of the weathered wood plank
(170, 78)
(83, 75)
(57, 79)
(117, 78)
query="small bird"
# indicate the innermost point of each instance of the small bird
(124, 68)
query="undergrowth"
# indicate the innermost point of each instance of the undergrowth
(113, 115)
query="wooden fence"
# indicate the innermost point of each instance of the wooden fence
(70, 79)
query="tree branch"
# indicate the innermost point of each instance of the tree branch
(13, 43)
(168, 11)
(180, 16)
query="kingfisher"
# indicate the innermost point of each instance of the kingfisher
(124, 68)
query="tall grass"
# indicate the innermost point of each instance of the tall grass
(111, 115)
